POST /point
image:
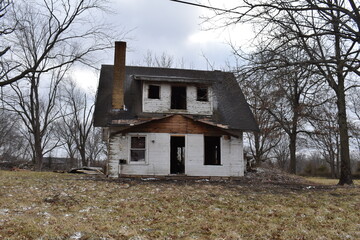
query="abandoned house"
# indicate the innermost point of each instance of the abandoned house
(164, 121)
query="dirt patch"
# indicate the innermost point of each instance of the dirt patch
(266, 180)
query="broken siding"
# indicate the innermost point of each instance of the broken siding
(177, 124)
(163, 105)
(118, 150)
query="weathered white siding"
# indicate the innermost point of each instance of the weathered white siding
(163, 104)
(158, 156)
(232, 161)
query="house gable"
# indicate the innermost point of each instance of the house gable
(178, 124)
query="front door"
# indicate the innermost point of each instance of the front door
(177, 155)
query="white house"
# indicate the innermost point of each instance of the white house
(163, 121)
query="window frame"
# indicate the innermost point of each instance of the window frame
(158, 93)
(137, 149)
(202, 99)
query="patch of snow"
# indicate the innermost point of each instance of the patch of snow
(76, 235)
(85, 209)
(149, 179)
(203, 180)
(4, 211)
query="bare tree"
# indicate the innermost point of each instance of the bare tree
(96, 148)
(65, 137)
(77, 114)
(326, 137)
(164, 60)
(327, 31)
(13, 145)
(281, 154)
(269, 135)
(288, 93)
(5, 28)
(50, 34)
(37, 110)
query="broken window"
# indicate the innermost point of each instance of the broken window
(154, 92)
(137, 149)
(212, 150)
(178, 97)
(202, 94)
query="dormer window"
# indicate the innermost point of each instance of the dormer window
(178, 97)
(154, 92)
(202, 94)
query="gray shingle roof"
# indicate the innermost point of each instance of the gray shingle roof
(231, 110)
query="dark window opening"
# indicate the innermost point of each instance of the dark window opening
(137, 149)
(202, 94)
(178, 97)
(212, 150)
(154, 92)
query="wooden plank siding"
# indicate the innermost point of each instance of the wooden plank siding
(178, 124)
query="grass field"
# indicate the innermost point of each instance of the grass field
(328, 181)
(62, 206)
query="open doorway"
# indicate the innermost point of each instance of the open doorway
(177, 155)
(178, 97)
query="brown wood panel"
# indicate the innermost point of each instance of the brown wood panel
(177, 124)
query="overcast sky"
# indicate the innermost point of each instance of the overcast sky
(163, 26)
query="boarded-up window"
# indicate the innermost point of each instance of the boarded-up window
(202, 94)
(137, 149)
(154, 92)
(178, 97)
(212, 150)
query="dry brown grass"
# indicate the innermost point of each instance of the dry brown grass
(328, 181)
(63, 206)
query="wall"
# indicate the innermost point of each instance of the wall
(163, 104)
(158, 156)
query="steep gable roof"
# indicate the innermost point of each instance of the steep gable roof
(231, 110)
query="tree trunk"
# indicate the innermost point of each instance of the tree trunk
(345, 168)
(257, 148)
(292, 148)
(332, 167)
(38, 156)
(83, 157)
(337, 158)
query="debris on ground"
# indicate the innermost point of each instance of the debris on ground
(87, 170)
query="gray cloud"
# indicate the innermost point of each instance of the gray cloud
(164, 26)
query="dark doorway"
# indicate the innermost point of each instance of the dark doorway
(177, 155)
(178, 97)
(212, 150)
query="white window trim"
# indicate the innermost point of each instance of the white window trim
(146, 162)
(147, 92)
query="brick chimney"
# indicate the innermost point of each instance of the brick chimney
(119, 76)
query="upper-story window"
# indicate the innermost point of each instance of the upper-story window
(202, 94)
(154, 92)
(178, 97)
